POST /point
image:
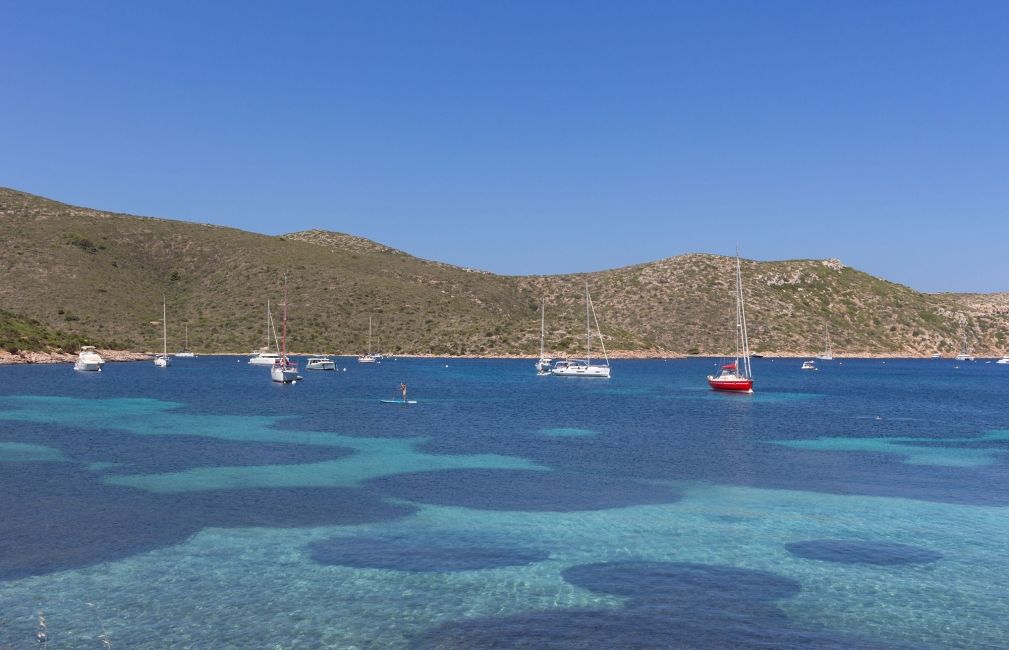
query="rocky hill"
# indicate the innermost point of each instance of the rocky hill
(102, 275)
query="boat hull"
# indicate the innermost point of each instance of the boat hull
(284, 375)
(87, 366)
(582, 371)
(738, 385)
(321, 365)
(367, 359)
(162, 361)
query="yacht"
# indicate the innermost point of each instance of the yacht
(828, 354)
(89, 360)
(1004, 360)
(543, 364)
(320, 363)
(584, 367)
(738, 375)
(163, 360)
(284, 371)
(808, 365)
(965, 353)
(936, 356)
(263, 358)
(186, 353)
(369, 358)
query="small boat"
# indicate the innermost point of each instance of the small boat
(809, 365)
(965, 352)
(368, 358)
(828, 354)
(936, 356)
(543, 364)
(1003, 361)
(88, 360)
(737, 376)
(163, 360)
(185, 353)
(284, 370)
(584, 367)
(320, 363)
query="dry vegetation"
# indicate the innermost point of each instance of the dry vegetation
(86, 273)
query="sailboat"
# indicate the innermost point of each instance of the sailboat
(827, 355)
(584, 367)
(368, 358)
(543, 364)
(185, 353)
(965, 353)
(737, 376)
(264, 357)
(284, 370)
(163, 360)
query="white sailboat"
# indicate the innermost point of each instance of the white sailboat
(584, 367)
(185, 353)
(828, 354)
(284, 370)
(738, 375)
(264, 357)
(543, 364)
(368, 358)
(965, 353)
(163, 360)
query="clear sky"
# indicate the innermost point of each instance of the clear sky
(533, 136)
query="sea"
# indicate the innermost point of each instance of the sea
(863, 505)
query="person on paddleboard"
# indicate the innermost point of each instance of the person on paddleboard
(402, 388)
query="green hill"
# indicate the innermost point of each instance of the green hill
(102, 275)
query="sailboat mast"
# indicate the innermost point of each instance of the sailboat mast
(588, 329)
(543, 317)
(269, 318)
(741, 311)
(164, 324)
(369, 336)
(283, 349)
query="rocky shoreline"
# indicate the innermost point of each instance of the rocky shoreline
(24, 357)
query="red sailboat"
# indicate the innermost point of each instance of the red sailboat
(737, 376)
(284, 370)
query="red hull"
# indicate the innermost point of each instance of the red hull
(741, 385)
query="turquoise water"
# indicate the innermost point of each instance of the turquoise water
(204, 506)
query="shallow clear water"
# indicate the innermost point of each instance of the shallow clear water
(863, 505)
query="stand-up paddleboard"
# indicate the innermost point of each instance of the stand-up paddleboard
(399, 401)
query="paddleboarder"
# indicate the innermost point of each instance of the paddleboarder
(402, 388)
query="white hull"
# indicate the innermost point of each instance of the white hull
(582, 371)
(284, 375)
(162, 361)
(84, 366)
(264, 359)
(963, 357)
(89, 361)
(185, 355)
(320, 364)
(825, 357)
(367, 359)
(1003, 360)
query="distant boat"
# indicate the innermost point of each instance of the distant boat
(320, 363)
(584, 367)
(163, 360)
(827, 355)
(88, 360)
(737, 376)
(965, 352)
(184, 353)
(264, 357)
(368, 358)
(809, 365)
(936, 356)
(1003, 360)
(543, 364)
(284, 370)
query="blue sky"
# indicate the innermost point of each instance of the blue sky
(533, 137)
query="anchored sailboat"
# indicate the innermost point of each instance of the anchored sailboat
(737, 376)
(827, 355)
(264, 357)
(163, 360)
(584, 367)
(543, 365)
(284, 370)
(368, 358)
(185, 352)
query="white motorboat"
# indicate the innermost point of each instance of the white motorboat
(1003, 361)
(808, 365)
(263, 358)
(936, 356)
(163, 360)
(284, 370)
(584, 367)
(320, 363)
(88, 360)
